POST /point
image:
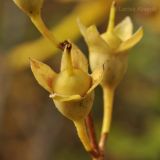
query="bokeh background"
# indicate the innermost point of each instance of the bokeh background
(30, 126)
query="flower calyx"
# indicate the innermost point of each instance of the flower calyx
(72, 88)
(110, 48)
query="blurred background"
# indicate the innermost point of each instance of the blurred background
(30, 126)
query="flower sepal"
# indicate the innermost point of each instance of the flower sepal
(73, 108)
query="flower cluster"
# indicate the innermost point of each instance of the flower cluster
(72, 89)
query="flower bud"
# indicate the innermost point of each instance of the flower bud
(72, 88)
(66, 84)
(30, 7)
(67, 80)
(110, 48)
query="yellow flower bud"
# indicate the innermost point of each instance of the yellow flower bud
(110, 48)
(72, 88)
(66, 83)
(30, 7)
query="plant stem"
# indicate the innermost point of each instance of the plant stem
(108, 95)
(91, 132)
(39, 24)
(98, 154)
(82, 133)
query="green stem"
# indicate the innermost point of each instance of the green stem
(39, 24)
(82, 133)
(108, 95)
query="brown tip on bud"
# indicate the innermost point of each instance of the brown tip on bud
(65, 44)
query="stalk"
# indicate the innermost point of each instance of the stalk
(82, 133)
(108, 95)
(42, 28)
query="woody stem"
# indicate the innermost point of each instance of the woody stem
(91, 132)
(97, 154)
